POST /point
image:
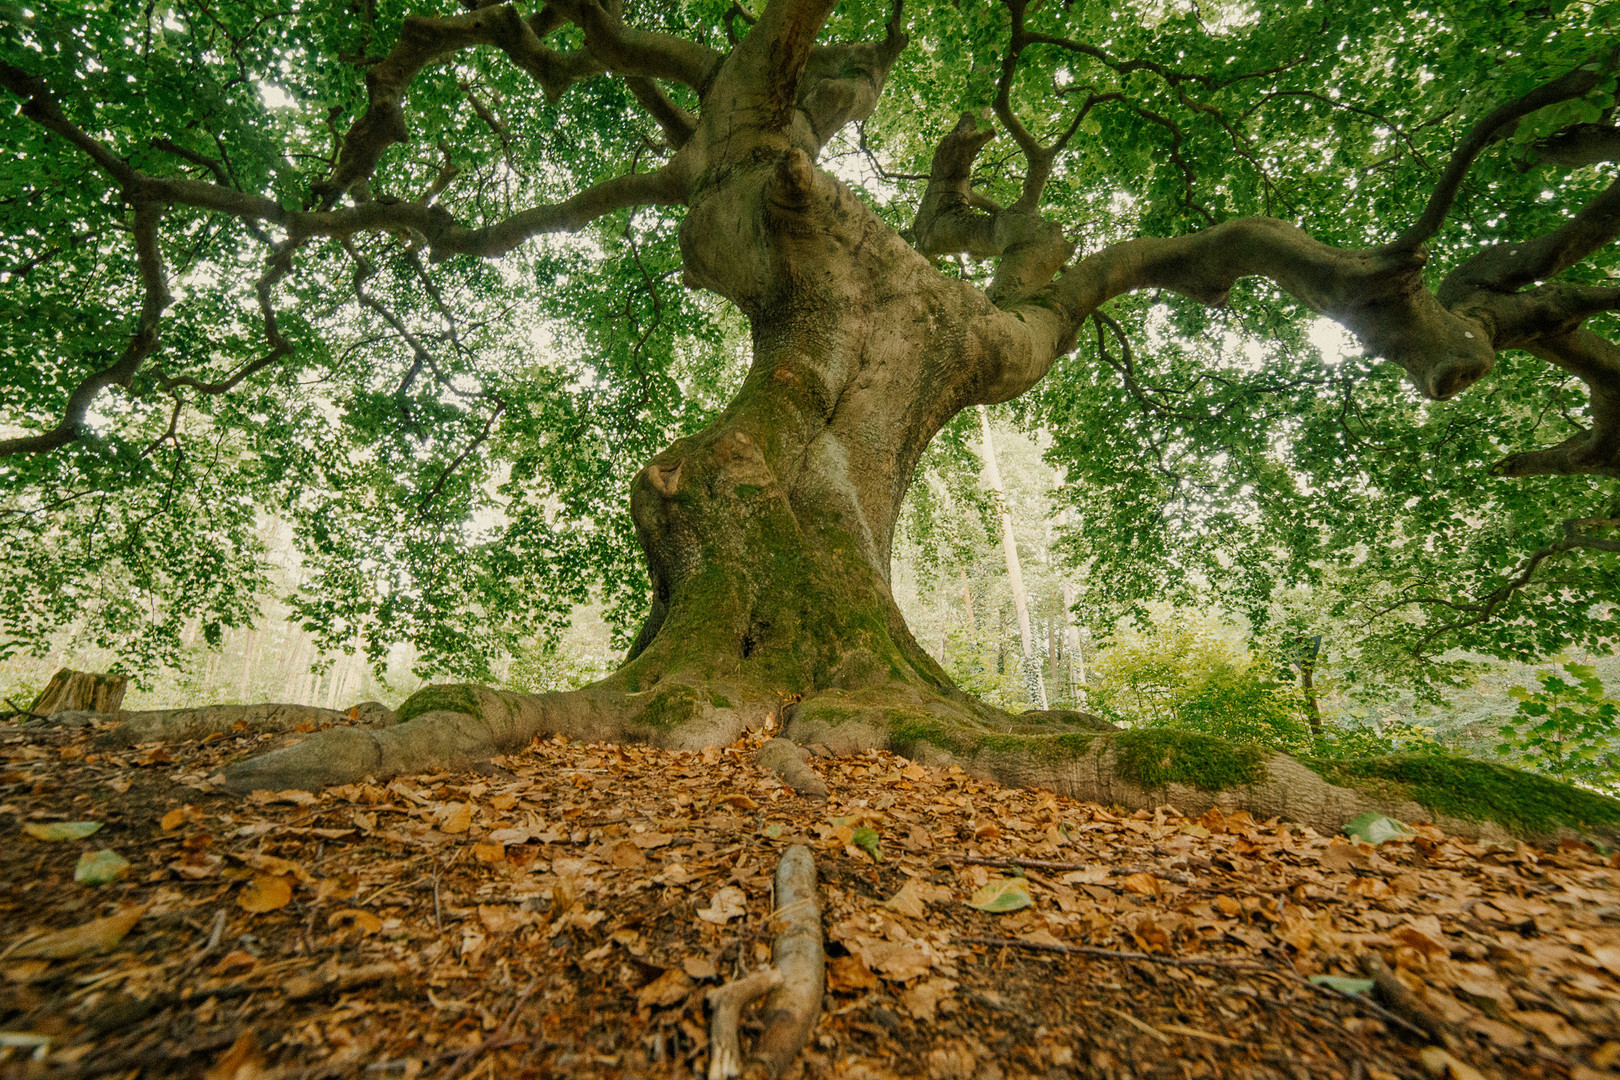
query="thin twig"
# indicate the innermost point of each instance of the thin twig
(1117, 954)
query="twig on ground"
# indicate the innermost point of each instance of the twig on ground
(1048, 864)
(793, 1008)
(1118, 954)
(497, 1037)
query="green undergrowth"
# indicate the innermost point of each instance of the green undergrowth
(1521, 802)
(1155, 757)
(456, 698)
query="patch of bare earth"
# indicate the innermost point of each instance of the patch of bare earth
(560, 912)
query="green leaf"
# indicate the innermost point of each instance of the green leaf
(100, 868)
(1002, 895)
(1376, 829)
(61, 830)
(1343, 984)
(866, 838)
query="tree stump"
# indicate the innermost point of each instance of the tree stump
(80, 691)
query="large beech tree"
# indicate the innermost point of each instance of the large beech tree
(231, 222)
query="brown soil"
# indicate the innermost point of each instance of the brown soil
(560, 912)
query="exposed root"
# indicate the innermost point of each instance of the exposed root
(1088, 759)
(176, 725)
(793, 1008)
(1072, 754)
(726, 1004)
(449, 727)
(787, 760)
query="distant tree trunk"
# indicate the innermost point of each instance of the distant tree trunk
(1313, 712)
(1015, 574)
(1077, 660)
(80, 691)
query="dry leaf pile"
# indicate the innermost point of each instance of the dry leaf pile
(562, 911)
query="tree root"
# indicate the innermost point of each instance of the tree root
(177, 725)
(1072, 754)
(726, 1004)
(795, 982)
(787, 760)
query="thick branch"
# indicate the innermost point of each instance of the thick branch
(155, 299)
(1506, 267)
(1578, 146)
(625, 50)
(676, 122)
(1595, 361)
(757, 86)
(426, 41)
(952, 218)
(1500, 120)
(1378, 296)
(842, 83)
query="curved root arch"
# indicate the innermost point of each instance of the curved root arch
(1069, 753)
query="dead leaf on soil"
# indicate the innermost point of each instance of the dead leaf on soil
(668, 989)
(896, 961)
(266, 892)
(726, 905)
(627, 856)
(291, 795)
(455, 818)
(915, 896)
(243, 1061)
(363, 921)
(97, 935)
(849, 974)
(922, 1001)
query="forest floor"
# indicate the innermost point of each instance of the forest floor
(560, 912)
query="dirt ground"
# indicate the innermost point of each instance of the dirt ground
(560, 912)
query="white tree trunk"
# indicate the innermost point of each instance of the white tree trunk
(1015, 574)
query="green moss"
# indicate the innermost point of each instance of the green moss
(1521, 802)
(906, 730)
(1154, 757)
(670, 708)
(456, 698)
(719, 701)
(747, 491)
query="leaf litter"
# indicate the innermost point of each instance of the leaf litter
(562, 911)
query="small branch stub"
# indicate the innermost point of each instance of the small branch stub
(726, 1004)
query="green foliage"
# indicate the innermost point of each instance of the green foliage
(1191, 669)
(1566, 728)
(1353, 740)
